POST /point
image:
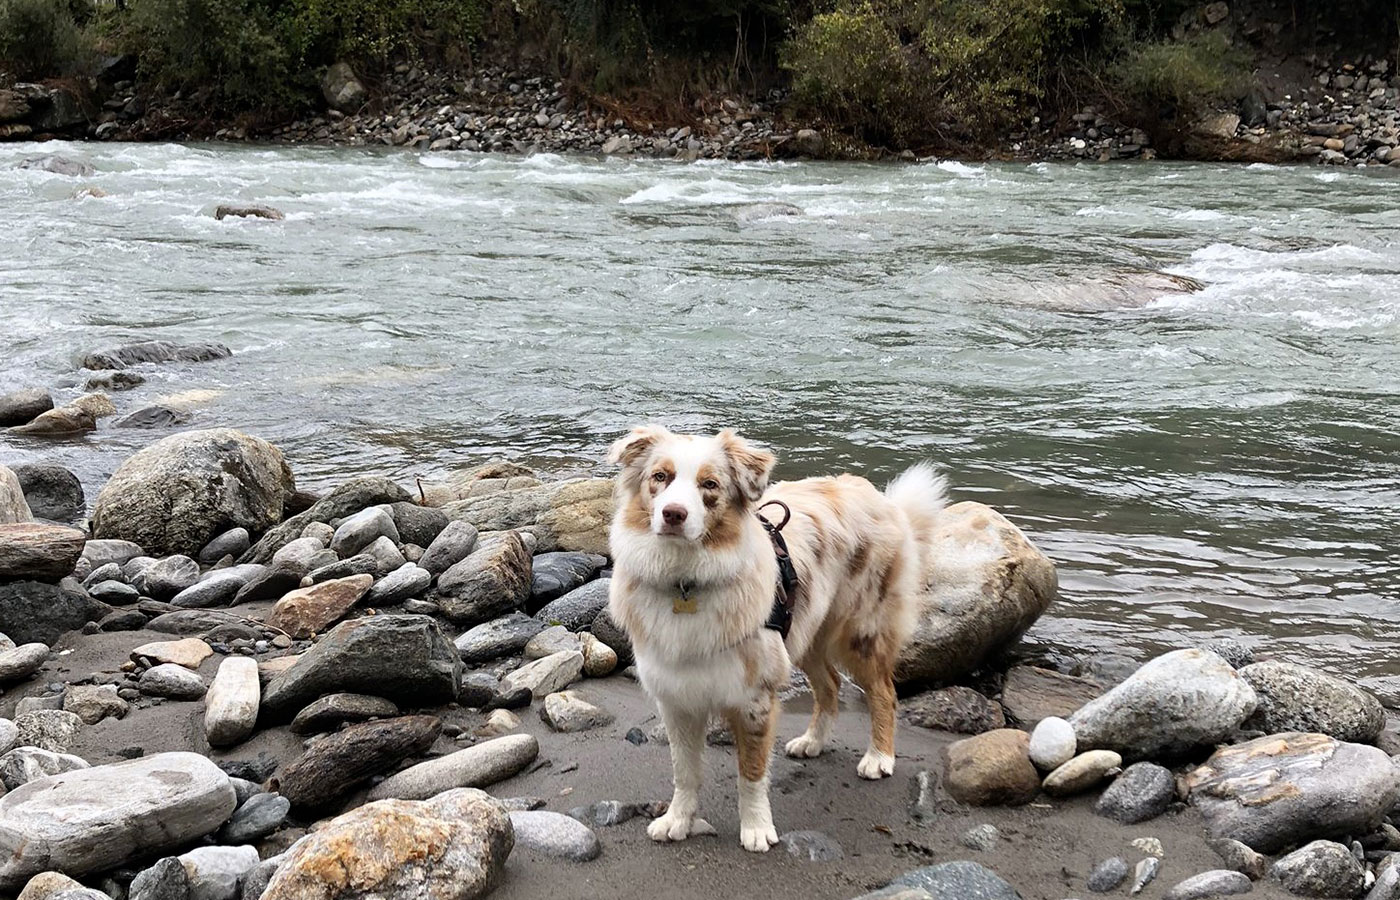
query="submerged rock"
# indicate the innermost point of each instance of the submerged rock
(452, 847)
(155, 352)
(1274, 791)
(221, 477)
(248, 211)
(1176, 702)
(92, 820)
(991, 585)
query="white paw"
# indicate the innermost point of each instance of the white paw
(678, 828)
(875, 765)
(804, 747)
(758, 839)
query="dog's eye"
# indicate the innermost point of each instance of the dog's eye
(710, 484)
(659, 476)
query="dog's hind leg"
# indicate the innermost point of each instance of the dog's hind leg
(875, 675)
(826, 686)
(754, 729)
(686, 732)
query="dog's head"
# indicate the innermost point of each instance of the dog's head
(686, 487)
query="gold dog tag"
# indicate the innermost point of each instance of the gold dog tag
(685, 603)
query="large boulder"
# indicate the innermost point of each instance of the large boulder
(36, 611)
(452, 847)
(401, 658)
(40, 552)
(1277, 790)
(13, 506)
(342, 90)
(53, 492)
(563, 515)
(178, 493)
(987, 583)
(22, 407)
(90, 820)
(490, 582)
(1177, 702)
(345, 500)
(334, 764)
(1296, 698)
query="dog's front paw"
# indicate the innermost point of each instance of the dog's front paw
(804, 747)
(758, 839)
(677, 828)
(875, 765)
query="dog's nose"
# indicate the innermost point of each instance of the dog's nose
(673, 514)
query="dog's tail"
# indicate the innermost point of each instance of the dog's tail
(921, 493)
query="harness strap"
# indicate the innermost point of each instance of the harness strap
(785, 591)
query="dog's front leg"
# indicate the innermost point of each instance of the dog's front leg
(754, 728)
(686, 731)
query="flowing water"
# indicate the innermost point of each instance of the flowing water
(1224, 462)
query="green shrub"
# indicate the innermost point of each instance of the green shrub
(1185, 75)
(321, 31)
(40, 38)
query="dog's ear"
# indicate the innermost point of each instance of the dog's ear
(752, 465)
(636, 444)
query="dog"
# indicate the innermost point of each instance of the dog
(695, 574)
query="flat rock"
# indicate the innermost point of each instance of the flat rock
(480, 766)
(556, 574)
(218, 589)
(92, 820)
(39, 612)
(334, 710)
(554, 639)
(962, 879)
(336, 763)
(155, 352)
(1082, 772)
(563, 515)
(21, 662)
(222, 477)
(555, 834)
(991, 769)
(545, 676)
(991, 584)
(404, 583)
(578, 608)
(1052, 743)
(100, 552)
(271, 583)
(1320, 869)
(572, 711)
(452, 847)
(172, 682)
(48, 729)
(52, 492)
(25, 764)
(30, 550)
(231, 705)
(1142, 792)
(306, 611)
(957, 709)
(1296, 698)
(94, 702)
(490, 582)
(189, 652)
(504, 636)
(405, 659)
(1177, 702)
(255, 819)
(192, 621)
(23, 406)
(1275, 791)
(1215, 883)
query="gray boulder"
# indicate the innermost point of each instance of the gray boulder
(92, 820)
(963, 879)
(452, 545)
(215, 872)
(1296, 698)
(492, 581)
(1278, 790)
(39, 612)
(563, 515)
(342, 90)
(1143, 791)
(578, 608)
(1209, 885)
(1178, 701)
(500, 637)
(988, 584)
(178, 493)
(53, 492)
(234, 542)
(555, 834)
(168, 577)
(1320, 869)
(418, 524)
(24, 406)
(555, 574)
(357, 532)
(405, 582)
(403, 658)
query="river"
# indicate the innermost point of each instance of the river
(1223, 462)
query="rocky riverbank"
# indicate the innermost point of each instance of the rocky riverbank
(218, 686)
(1346, 114)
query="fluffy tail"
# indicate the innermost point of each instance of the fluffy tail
(922, 493)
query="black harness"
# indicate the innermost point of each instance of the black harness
(785, 591)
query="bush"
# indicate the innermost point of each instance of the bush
(1181, 76)
(40, 38)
